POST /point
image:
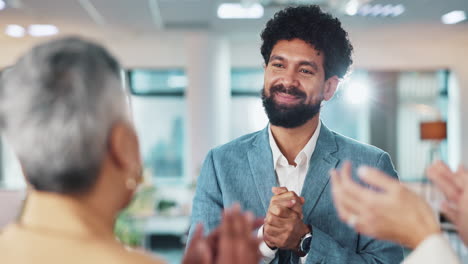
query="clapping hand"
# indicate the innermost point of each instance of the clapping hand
(231, 243)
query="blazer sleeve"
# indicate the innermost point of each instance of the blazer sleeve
(324, 249)
(207, 203)
(434, 249)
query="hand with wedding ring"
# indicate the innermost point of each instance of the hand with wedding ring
(389, 211)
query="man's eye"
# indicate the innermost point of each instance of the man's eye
(278, 65)
(306, 71)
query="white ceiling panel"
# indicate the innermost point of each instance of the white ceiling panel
(142, 17)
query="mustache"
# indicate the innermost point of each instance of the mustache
(291, 90)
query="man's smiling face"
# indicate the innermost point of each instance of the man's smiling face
(295, 83)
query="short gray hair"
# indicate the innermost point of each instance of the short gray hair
(58, 104)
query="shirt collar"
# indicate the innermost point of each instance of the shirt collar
(304, 155)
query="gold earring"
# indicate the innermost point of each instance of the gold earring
(131, 184)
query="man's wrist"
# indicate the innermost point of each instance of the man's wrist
(307, 230)
(270, 246)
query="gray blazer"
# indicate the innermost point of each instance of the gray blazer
(242, 170)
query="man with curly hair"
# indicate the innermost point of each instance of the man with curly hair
(281, 173)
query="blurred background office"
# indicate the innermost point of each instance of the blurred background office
(195, 71)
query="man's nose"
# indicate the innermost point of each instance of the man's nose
(289, 79)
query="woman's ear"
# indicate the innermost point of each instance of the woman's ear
(123, 146)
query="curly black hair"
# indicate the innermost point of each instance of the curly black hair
(319, 29)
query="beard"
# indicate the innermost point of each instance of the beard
(289, 116)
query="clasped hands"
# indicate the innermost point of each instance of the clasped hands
(283, 227)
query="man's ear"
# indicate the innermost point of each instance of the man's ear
(331, 84)
(123, 146)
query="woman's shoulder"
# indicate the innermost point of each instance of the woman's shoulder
(14, 241)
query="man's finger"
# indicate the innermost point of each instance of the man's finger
(279, 190)
(275, 221)
(289, 203)
(283, 212)
(286, 195)
(293, 204)
(272, 231)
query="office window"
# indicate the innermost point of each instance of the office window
(246, 81)
(247, 114)
(167, 82)
(158, 105)
(422, 96)
(160, 211)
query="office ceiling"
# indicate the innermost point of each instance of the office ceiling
(141, 17)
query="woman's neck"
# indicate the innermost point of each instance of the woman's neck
(67, 215)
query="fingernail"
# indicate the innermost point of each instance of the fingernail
(362, 171)
(293, 201)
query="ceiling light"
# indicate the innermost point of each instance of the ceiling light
(379, 10)
(42, 30)
(2, 4)
(454, 17)
(15, 31)
(387, 10)
(352, 7)
(398, 10)
(238, 11)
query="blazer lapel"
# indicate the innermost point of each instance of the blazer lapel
(261, 165)
(320, 164)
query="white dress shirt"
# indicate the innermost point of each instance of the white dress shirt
(433, 250)
(289, 176)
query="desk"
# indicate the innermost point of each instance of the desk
(165, 225)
